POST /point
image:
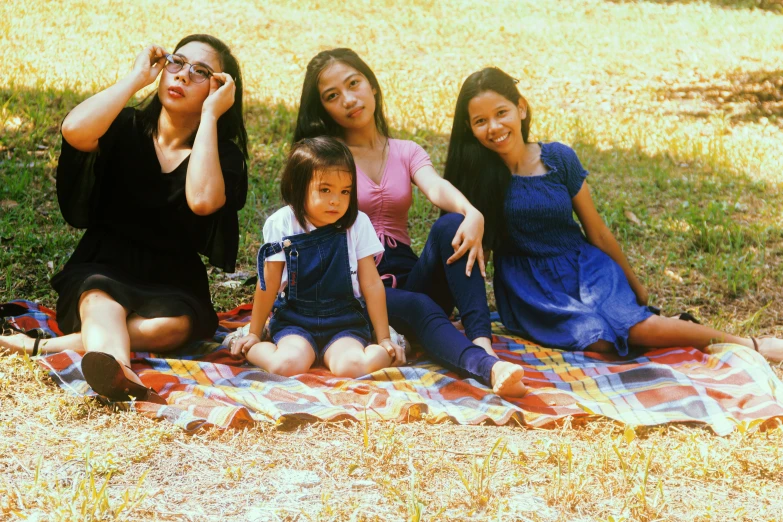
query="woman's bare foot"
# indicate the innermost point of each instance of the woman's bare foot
(507, 379)
(486, 343)
(17, 343)
(771, 348)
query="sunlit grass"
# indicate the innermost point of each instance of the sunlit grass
(672, 108)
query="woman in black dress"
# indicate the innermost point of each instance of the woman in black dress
(154, 187)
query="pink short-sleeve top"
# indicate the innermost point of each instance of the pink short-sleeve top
(387, 202)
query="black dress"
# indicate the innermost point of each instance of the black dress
(142, 240)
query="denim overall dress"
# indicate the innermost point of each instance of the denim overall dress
(318, 303)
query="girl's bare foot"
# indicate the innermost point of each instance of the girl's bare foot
(771, 348)
(507, 379)
(17, 343)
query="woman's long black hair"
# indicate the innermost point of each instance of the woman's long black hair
(313, 120)
(231, 125)
(476, 171)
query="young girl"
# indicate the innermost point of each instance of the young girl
(154, 187)
(554, 284)
(341, 97)
(316, 271)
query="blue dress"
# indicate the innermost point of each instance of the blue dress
(551, 285)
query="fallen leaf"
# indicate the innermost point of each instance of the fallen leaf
(8, 203)
(673, 276)
(632, 218)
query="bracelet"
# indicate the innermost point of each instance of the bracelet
(384, 339)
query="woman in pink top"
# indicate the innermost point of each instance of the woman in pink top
(341, 97)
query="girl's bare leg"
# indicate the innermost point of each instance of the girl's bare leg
(293, 355)
(346, 357)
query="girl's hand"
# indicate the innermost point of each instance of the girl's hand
(468, 239)
(149, 63)
(239, 347)
(395, 351)
(221, 95)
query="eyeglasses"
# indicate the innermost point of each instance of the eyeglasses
(196, 73)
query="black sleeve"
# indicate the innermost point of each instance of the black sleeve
(79, 174)
(223, 240)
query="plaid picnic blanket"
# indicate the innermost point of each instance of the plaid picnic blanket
(727, 386)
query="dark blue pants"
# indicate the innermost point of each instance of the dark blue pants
(427, 290)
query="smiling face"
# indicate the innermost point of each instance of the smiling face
(328, 197)
(496, 122)
(177, 93)
(347, 96)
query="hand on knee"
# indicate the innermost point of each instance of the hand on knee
(447, 225)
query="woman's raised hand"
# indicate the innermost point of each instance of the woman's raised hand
(468, 239)
(149, 63)
(221, 95)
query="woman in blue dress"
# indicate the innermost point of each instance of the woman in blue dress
(554, 284)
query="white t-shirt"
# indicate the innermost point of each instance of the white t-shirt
(362, 241)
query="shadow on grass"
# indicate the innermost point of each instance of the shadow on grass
(746, 96)
(718, 231)
(775, 6)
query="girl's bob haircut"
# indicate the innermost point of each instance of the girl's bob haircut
(313, 120)
(307, 158)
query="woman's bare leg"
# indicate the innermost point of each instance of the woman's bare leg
(486, 343)
(664, 332)
(20, 343)
(107, 328)
(159, 334)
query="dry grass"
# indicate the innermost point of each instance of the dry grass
(674, 107)
(67, 459)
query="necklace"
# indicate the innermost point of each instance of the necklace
(383, 160)
(379, 173)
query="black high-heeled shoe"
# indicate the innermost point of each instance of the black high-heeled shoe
(105, 376)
